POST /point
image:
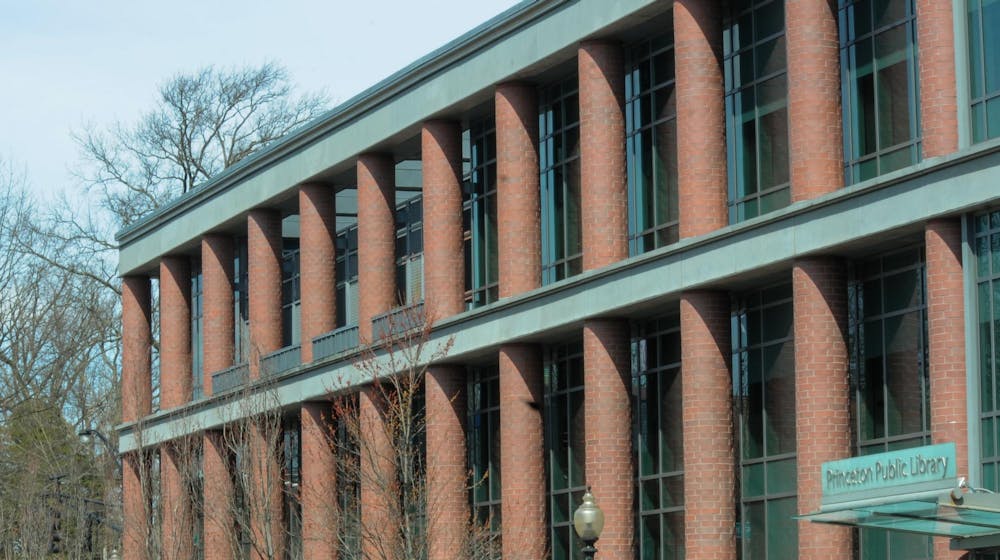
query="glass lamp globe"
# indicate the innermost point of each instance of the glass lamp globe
(588, 520)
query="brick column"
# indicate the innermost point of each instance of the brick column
(604, 191)
(946, 338)
(217, 497)
(822, 394)
(267, 519)
(376, 239)
(217, 330)
(264, 277)
(519, 233)
(134, 514)
(938, 97)
(607, 394)
(137, 342)
(701, 119)
(816, 157)
(710, 510)
(317, 262)
(444, 256)
(380, 536)
(522, 453)
(319, 483)
(447, 473)
(175, 331)
(176, 528)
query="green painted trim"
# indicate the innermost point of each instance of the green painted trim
(972, 388)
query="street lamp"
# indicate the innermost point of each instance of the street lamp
(588, 520)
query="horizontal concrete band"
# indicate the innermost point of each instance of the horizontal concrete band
(895, 204)
(525, 38)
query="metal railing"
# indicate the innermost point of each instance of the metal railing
(398, 321)
(335, 342)
(281, 360)
(230, 378)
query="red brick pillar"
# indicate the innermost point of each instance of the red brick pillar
(317, 262)
(217, 498)
(175, 491)
(604, 191)
(217, 332)
(701, 119)
(519, 239)
(522, 453)
(607, 394)
(134, 514)
(816, 158)
(267, 519)
(444, 256)
(447, 474)
(264, 277)
(822, 394)
(710, 510)
(938, 96)
(318, 490)
(946, 337)
(175, 331)
(377, 239)
(379, 488)
(137, 342)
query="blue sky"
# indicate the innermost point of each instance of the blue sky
(66, 63)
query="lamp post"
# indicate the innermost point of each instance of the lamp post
(588, 520)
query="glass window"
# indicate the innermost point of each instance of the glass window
(656, 384)
(878, 50)
(410, 252)
(479, 190)
(651, 144)
(756, 108)
(984, 68)
(241, 304)
(197, 349)
(565, 444)
(764, 394)
(347, 276)
(291, 292)
(888, 330)
(987, 247)
(559, 161)
(484, 456)
(291, 455)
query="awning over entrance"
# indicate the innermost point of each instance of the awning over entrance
(912, 490)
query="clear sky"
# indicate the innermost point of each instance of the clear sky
(64, 64)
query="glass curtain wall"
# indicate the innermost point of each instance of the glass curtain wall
(984, 67)
(565, 444)
(479, 213)
(656, 384)
(888, 331)
(291, 292)
(241, 303)
(987, 246)
(197, 348)
(756, 108)
(484, 453)
(410, 252)
(651, 144)
(347, 276)
(559, 160)
(291, 454)
(878, 60)
(764, 399)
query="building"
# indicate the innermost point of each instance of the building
(690, 251)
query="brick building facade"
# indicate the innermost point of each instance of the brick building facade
(683, 252)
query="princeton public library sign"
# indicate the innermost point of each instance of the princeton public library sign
(926, 466)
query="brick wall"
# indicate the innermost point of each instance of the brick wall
(177, 524)
(938, 96)
(217, 498)
(444, 256)
(175, 331)
(447, 473)
(518, 211)
(604, 192)
(376, 226)
(134, 538)
(380, 536)
(318, 488)
(317, 264)
(217, 306)
(136, 346)
(264, 278)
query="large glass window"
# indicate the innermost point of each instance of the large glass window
(410, 251)
(987, 245)
(484, 453)
(197, 348)
(291, 455)
(241, 303)
(651, 144)
(888, 330)
(347, 276)
(559, 159)
(656, 380)
(565, 444)
(291, 292)
(878, 53)
(479, 212)
(984, 68)
(764, 395)
(756, 108)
